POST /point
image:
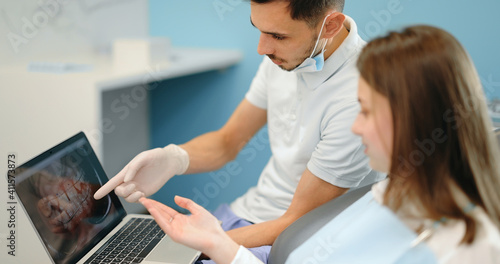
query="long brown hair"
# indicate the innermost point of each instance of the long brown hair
(443, 139)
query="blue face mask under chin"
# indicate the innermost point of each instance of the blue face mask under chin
(316, 63)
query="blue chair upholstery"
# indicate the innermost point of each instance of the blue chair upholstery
(298, 232)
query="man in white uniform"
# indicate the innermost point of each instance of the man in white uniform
(306, 91)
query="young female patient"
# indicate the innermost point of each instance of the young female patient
(424, 121)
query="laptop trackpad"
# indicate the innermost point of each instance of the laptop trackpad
(168, 251)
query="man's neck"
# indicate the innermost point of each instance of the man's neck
(335, 42)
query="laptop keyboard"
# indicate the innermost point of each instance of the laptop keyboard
(131, 244)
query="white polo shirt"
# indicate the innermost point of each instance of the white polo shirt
(309, 121)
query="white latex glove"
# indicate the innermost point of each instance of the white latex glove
(146, 173)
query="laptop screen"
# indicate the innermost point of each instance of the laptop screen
(56, 189)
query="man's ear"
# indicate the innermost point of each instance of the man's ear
(333, 24)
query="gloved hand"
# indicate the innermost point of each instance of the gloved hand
(146, 173)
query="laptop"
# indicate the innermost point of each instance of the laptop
(56, 191)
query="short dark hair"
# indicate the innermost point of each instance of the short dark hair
(311, 11)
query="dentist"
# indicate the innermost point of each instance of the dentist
(305, 90)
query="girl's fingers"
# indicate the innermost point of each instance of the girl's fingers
(188, 204)
(160, 207)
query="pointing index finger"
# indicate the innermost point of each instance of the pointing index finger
(110, 185)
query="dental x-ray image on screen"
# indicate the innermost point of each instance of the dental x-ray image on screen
(57, 193)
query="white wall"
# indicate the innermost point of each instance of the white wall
(38, 110)
(28, 28)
